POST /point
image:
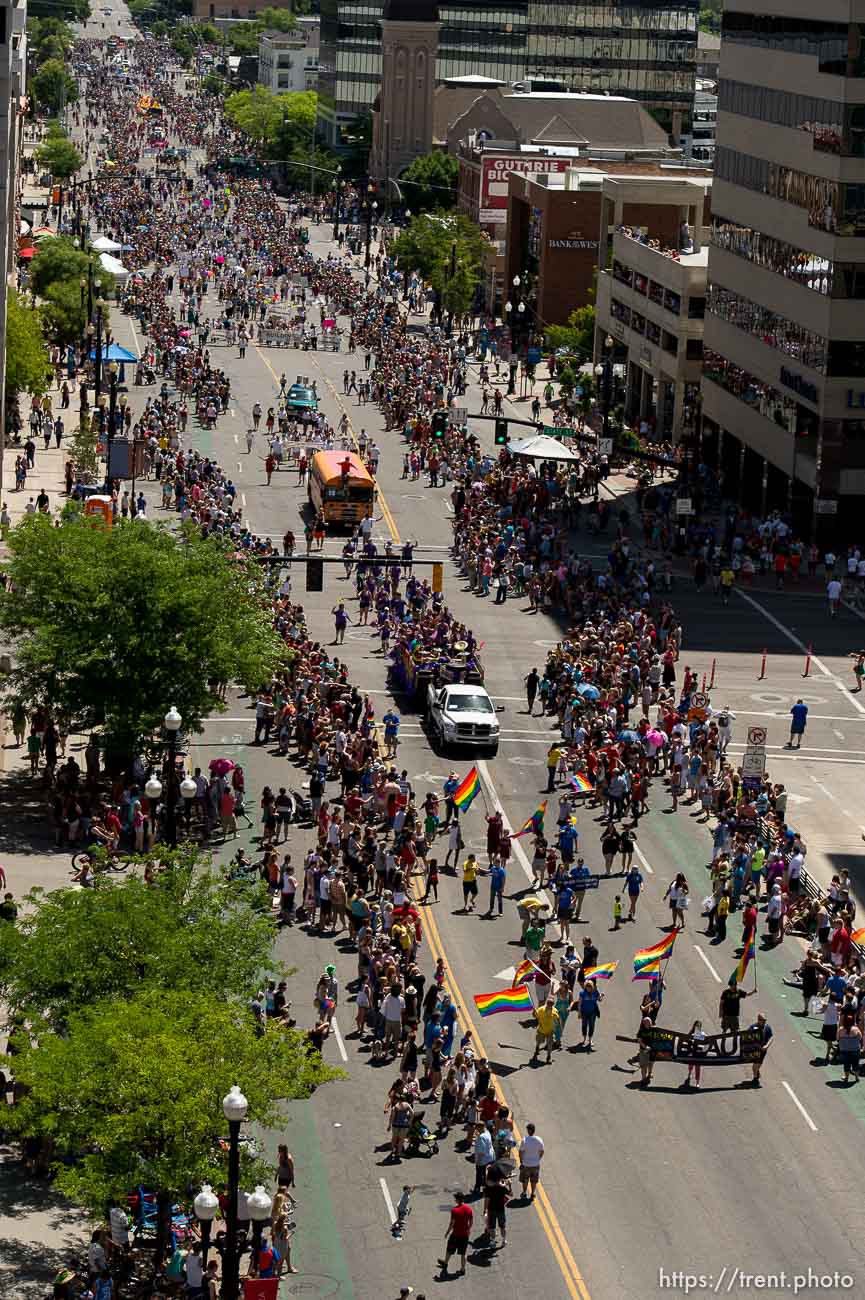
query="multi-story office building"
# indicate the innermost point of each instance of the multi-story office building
(288, 61)
(651, 301)
(784, 378)
(644, 51)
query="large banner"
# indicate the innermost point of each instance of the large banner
(494, 181)
(715, 1049)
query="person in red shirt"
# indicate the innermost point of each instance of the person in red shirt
(458, 1232)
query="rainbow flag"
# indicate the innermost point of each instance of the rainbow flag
(524, 973)
(647, 961)
(580, 783)
(489, 1004)
(605, 971)
(534, 823)
(748, 954)
(858, 935)
(467, 790)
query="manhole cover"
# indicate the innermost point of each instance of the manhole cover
(315, 1285)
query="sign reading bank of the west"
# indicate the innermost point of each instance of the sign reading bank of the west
(494, 181)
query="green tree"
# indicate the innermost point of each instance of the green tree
(132, 1093)
(276, 20)
(430, 183)
(55, 278)
(213, 84)
(53, 87)
(297, 167)
(189, 929)
(257, 113)
(27, 365)
(298, 112)
(59, 156)
(578, 336)
(64, 316)
(40, 30)
(449, 253)
(112, 626)
(83, 446)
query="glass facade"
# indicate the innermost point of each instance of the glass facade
(834, 127)
(837, 47)
(645, 51)
(836, 208)
(769, 327)
(772, 403)
(819, 274)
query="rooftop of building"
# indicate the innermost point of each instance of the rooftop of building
(545, 118)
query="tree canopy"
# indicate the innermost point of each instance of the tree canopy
(112, 626)
(132, 1093)
(449, 253)
(274, 123)
(189, 929)
(59, 156)
(53, 87)
(578, 336)
(430, 182)
(27, 365)
(55, 278)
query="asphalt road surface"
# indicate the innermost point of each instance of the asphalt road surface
(639, 1187)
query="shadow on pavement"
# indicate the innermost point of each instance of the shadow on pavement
(50, 1232)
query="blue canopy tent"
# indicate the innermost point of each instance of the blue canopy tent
(114, 352)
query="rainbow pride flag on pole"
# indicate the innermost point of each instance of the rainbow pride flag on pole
(605, 971)
(749, 952)
(534, 823)
(858, 935)
(647, 961)
(524, 972)
(489, 1004)
(467, 790)
(580, 783)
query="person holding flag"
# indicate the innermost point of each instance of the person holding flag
(730, 1003)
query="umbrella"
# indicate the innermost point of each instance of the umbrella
(103, 244)
(27, 252)
(588, 691)
(219, 259)
(219, 766)
(25, 227)
(629, 736)
(655, 737)
(541, 447)
(44, 232)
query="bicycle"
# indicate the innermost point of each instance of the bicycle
(100, 859)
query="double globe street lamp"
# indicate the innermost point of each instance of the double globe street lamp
(259, 1204)
(154, 787)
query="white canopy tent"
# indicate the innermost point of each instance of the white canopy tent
(103, 244)
(541, 446)
(115, 267)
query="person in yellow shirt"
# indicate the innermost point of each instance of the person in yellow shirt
(728, 577)
(548, 1021)
(470, 882)
(554, 753)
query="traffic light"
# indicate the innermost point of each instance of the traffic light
(438, 577)
(314, 574)
(439, 423)
(501, 436)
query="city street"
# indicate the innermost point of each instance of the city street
(636, 1184)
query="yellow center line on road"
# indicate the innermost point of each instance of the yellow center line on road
(570, 1271)
(387, 514)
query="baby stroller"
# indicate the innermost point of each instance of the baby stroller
(420, 1140)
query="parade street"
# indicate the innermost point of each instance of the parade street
(640, 1188)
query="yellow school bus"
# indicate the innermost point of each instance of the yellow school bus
(343, 499)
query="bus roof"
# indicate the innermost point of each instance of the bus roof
(327, 463)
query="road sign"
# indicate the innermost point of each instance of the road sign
(533, 356)
(754, 761)
(459, 415)
(756, 736)
(438, 576)
(683, 506)
(826, 506)
(699, 699)
(605, 446)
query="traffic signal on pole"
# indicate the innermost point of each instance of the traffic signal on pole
(314, 574)
(439, 423)
(501, 436)
(438, 577)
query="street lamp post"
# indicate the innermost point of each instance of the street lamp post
(205, 1205)
(337, 198)
(235, 1107)
(604, 370)
(371, 209)
(259, 1205)
(112, 399)
(100, 306)
(172, 722)
(153, 790)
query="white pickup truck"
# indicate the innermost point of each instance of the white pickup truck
(462, 715)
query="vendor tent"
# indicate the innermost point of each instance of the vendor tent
(541, 447)
(103, 244)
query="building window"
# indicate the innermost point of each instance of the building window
(772, 404)
(696, 308)
(786, 336)
(836, 208)
(806, 268)
(694, 350)
(837, 47)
